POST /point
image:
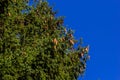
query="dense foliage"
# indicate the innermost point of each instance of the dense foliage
(35, 45)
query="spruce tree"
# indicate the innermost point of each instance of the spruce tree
(35, 44)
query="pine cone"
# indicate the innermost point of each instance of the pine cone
(72, 42)
(55, 41)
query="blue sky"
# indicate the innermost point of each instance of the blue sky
(98, 23)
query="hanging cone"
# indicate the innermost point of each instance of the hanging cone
(70, 35)
(55, 41)
(62, 39)
(81, 55)
(87, 49)
(72, 42)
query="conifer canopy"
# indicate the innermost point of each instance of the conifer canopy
(35, 44)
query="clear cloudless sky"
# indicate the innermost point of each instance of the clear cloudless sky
(98, 23)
